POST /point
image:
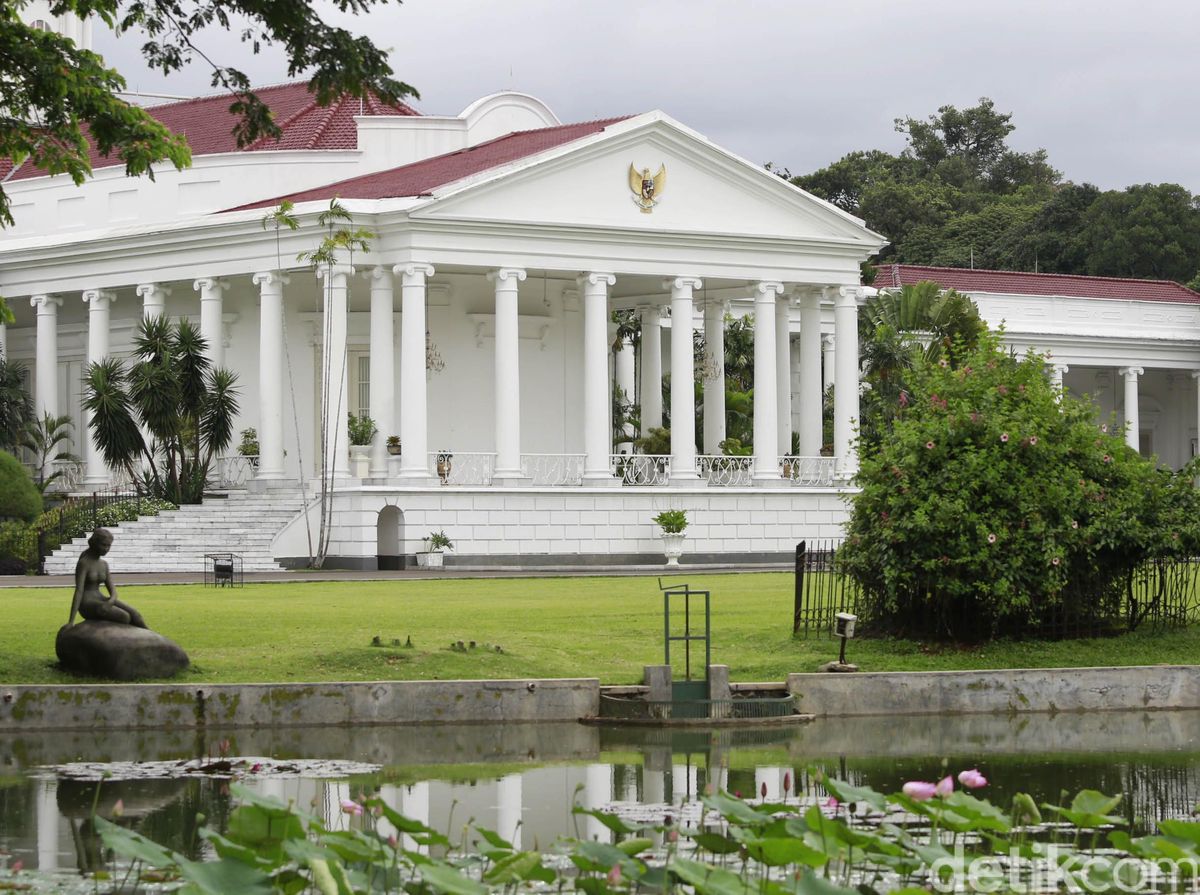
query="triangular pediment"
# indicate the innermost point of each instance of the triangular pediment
(706, 191)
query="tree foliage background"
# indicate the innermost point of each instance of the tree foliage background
(958, 195)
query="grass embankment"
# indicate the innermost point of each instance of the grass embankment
(546, 627)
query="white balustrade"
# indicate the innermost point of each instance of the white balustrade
(233, 472)
(553, 469)
(719, 469)
(641, 469)
(463, 467)
(809, 471)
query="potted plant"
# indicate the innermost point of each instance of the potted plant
(362, 430)
(444, 459)
(249, 446)
(789, 462)
(672, 523)
(432, 557)
(393, 445)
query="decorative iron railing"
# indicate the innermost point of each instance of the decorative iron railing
(811, 471)
(641, 469)
(553, 469)
(718, 469)
(233, 472)
(463, 467)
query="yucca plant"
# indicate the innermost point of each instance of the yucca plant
(172, 392)
(48, 439)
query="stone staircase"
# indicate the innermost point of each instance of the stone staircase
(176, 541)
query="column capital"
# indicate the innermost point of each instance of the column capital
(767, 290)
(98, 298)
(1131, 371)
(210, 284)
(149, 289)
(44, 302)
(654, 312)
(679, 284)
(338, 269)
(377, 274)
(1196, 375)
(596, 278)
(270, 278)
(504, 274)
(1061, 368)
(413, 273)
(827, 341)
(849, 296)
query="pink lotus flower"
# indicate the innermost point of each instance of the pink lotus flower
(919, 790)
(787, 781)
(349, 806)
(118, 808)
(614, 875)
(945, 786)
(672, 835)
(392, 840)
(763, 789)
(831, 802)
(17, 866)
(972, 779)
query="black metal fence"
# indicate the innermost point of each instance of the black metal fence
(76, 517)
(1161, 593)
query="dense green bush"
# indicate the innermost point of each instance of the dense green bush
(18, 541)
(19, 497)
(996, 506)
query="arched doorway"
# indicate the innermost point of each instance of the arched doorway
(389, 536)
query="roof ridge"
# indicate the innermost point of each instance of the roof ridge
(283, 125)
(225, 93)
(323, 121)
(1033, 273)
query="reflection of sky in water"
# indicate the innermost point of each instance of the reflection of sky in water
(521, 781)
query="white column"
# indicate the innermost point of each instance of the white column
(714, 389)
(46, 809)
(270, 374)
(1188, 451)
(383, 367)
(845, 405)
(651, 368)
(1056, 378)
(335, 386)
(766, 381)
(507, 385)
(211, 290)
(783, 377)
(414, 418)
(625, 371)
(3, 340)
(98, 303)
(595, 375)
(811, 398)
(828, 360)
(46, 387)
(598, 792)
(1132, 432)
(683, 377)
(154, 299)
(415, 801)
(509, 808)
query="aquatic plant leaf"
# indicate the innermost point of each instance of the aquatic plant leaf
(522, 865)
(420, 833)
(611, 821)
(1089, 809)
(734, 809)
(1186, 830)
(983, 815)
(811, 884)
(447, 879)
(235, 851)
(710, 880)
(634, 847)
(777, 852)
(129, 844)
(846, 792)
(330, 879)
(494, 839)
(716, 843)
(222, 877)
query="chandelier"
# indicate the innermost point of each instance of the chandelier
(433, 358)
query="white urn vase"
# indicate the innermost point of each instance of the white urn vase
(673, 547)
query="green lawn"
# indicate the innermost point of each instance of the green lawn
(546, 627)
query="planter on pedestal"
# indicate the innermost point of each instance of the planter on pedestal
(673, 547)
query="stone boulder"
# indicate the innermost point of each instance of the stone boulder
(120, 652)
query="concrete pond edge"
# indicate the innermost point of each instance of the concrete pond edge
(103, 707)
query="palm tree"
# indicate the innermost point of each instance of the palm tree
(16, 407)
(172, 391)
(895, 328)
(48, 439)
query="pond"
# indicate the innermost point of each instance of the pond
(521, 780)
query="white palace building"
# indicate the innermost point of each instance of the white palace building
(478, 327)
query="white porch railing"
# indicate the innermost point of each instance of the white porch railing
(811, 471)
(463, 467)
(553, 469)
(233, 472)
(719, 469)
(641, 469)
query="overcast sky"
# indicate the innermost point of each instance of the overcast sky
(1107, 87)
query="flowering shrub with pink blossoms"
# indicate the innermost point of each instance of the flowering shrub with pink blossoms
(998, 507)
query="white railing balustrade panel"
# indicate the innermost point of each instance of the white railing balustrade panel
(472, 468)
(641, 469)
(553, 469)
(233, 472)
(720, 469)
(809, 471)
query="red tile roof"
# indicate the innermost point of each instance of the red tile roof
(208, 124)
(1008, 282)
(421, 178)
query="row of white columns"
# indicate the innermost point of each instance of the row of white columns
(771, 370)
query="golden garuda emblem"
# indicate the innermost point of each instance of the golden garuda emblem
(646, 189)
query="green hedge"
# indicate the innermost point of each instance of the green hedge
(19, 497)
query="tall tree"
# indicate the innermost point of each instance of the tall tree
(59, 98)
(1148, 230)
